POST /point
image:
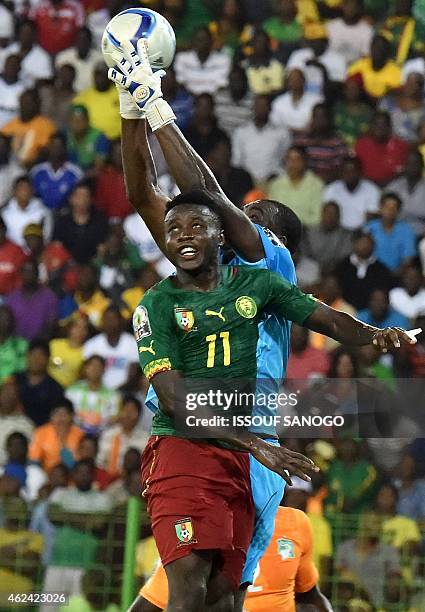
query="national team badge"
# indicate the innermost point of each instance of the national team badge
(246, 307)
(141, 323)
(185, 319)
(184, 532)
(286, 549)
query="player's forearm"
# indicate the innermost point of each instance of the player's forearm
(340, 326)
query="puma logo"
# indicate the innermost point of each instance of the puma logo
(147, 349)
(213, 313)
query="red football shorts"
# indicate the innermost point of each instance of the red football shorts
(199, 498)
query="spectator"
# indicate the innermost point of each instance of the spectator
(87, 147)
(378, 72)
(202, 69)
(57, 97)
(305, 362)
(397, 26)
(110, 193)
(11, 259)
(7, 26)
(38, 392)
(414, 359)
(234, 103)
(180, 100)
(410, 188)
(57, 23)
(293, 109)
(11, 88)
(83, 57)
(88, 297)
(202, 131)
(119, 489)
(350, 35)
(96, 405)
(284, 28)
(146, 278)
(265, 73)
(395, 244)
(352, 112)
(82, 228)
(30, 476)
(13, 349)
(259, 146)
(360, 273)
(101, 102)
(99, 19)
(66, 354)
(115, 441)
(382, 154)
(138, 234)
(409, 299)
(299, 188)
(397, 531)
(53, 260)
(327, 243)
(406, 107)
(36, 64)
(357, 198)
(56, 441)
(116, 346)
(9, 170)
(12, 419)
(30, 131)
(228, 30)
(54, 180)
(88, 449)
(411, 490)
(379, 312)
(235, 182)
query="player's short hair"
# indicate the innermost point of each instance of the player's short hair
(390, 195)
(198, 197)
(286, 222)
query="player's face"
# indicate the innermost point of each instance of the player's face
(192, 237)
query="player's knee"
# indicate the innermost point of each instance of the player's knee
(188, 597)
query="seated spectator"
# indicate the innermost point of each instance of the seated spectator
(56, 98)
(327, 243)
(11, 88)
(10, 170)
(87, 147)
(55, 179)
(53, 260)
(98, 20)
(138, 234)
(101, 102)
(410, 188)
(116, 440)
(233, 104)
(13, 349)
(382, 154)
(258, 146)
(404, 43)
(379, 312)
(66, 354)
(202, 69)
(265, 73)
(180, 100)
(228, 30)
(378, 72)
(57, 441)
(96, 405)
(360, 273)
(409, 299)
(33, 298)
(82, 228)
(36, 64)
(146, 278)
(293, 109)
(88, 297)
(119, 489)
(350, 35)
(7, 26)
(30, 476)
(88, 449)
(299, 188)
(411, 489)
(12, 418)
(395, 243)
(110, 193)
(24, 209)
(30, 131)
(406, 107)
(11, 260)
(325, 150)
(57, 23)
(305, 362)
(83, 56)
(352, 112)
(398, 531)
(284, 29)
(202, 131)
(414, 358)
(235, 182)
(116, 346)
(357, 198)
(38, 392)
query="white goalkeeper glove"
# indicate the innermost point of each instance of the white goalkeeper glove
(134, 75)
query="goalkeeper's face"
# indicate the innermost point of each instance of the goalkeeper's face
(193, 236)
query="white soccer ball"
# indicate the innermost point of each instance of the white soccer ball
(134, 24)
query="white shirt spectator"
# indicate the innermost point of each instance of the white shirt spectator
(232, 114)
(6, 24)
(8, 175)
(118, 358)
(9, 100)
(350, 41)
(115, 436)
(17, 218)
(354, 205)
(259, 151)
(83, 67)
(411, 306)
(10, 424)
(137, 232)
(416, 64)
(35, 65)
(202, 78)
(97, 22)
(70, 499)
(332, 61)
(293, 115)
(413, 210)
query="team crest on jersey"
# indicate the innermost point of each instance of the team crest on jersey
(286, 549)
(141, 323)
(184, 532)
(246, 307)
(185, 318)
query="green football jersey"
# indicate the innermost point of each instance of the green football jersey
(211, 334)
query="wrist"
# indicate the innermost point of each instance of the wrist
(159, 114)
(128, 107)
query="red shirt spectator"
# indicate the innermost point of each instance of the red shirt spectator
(110, 194)
(11, 260)
(57, 23)
(305, 361)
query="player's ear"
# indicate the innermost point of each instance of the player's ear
(284, 239)
(221, 238)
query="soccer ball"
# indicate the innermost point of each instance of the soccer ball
(134, 24)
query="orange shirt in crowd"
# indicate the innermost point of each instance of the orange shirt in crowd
(29, 137)
(46, 445)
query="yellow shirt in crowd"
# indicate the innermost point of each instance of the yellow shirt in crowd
(103, 109)
(377, 82)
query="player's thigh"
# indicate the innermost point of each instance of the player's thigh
(188, 579)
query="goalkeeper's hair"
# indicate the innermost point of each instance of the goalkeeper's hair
(197, 197)
(285, 223)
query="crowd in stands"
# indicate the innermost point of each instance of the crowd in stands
(319, 104)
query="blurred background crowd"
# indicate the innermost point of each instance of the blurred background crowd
(315, 103)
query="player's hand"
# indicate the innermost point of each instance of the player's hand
(391, 337)
(282, 460)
